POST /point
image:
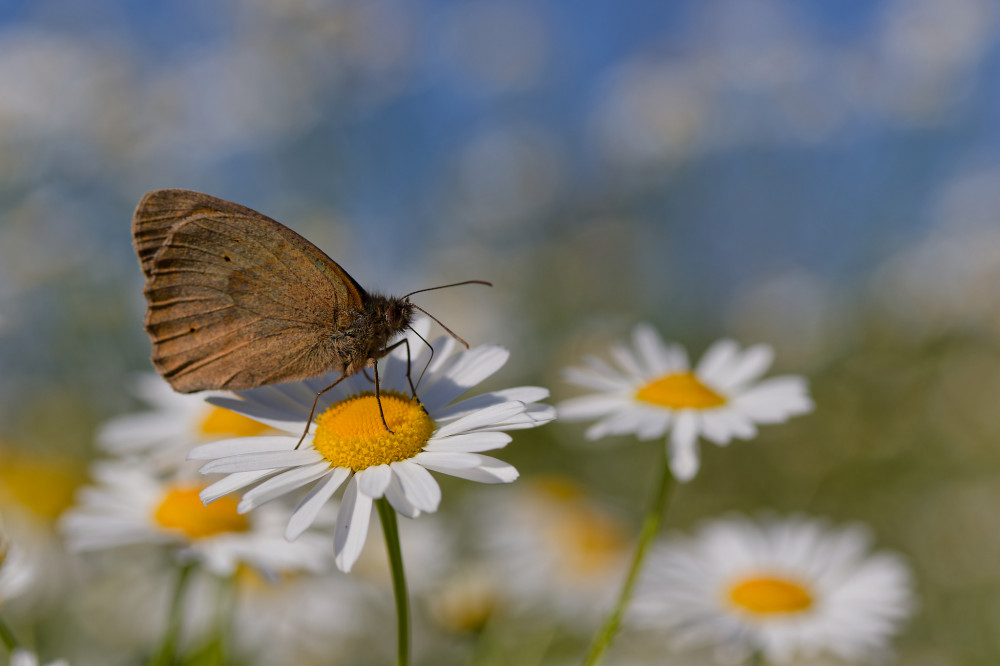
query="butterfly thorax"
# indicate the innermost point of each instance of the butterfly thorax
(366, 339)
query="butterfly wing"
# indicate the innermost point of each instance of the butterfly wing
(236, 300)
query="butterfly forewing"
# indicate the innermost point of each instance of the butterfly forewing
(236, 300)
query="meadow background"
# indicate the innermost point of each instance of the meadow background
(823, 177)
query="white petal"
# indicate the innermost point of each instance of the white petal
(352, 526)
(589, 379)
(373, 481)
(239, 445)
(447, 459)
(231, 483)
(469, 368)
(654, 352)
(525, 394)
(626, 421)
(276, 417)
(534, 416)
(397, 498)
(774, 400)
(307, 510)
(126, 433)
(715, 427)
(281, 484)
(489, 470)
(748, 368)
(717, 361)
(653, 424)
(588, 407)
(419, 487)
(256, 461)
(626, 360)
(472, 442)
(683, 447)
(484, 418)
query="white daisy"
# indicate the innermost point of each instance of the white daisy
(132, 504)
(555, 547)
(348, 442)
(653, 390)
(177, 422)
(782, 587)
(23, 657)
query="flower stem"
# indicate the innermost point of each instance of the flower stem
(650, 524)
(387, 516)
(7, 636)
(168, 646)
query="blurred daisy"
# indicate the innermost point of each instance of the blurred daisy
(23, 657)
(348, 442)
(16, 571)
(177, 422)
(296, 618)
(555, 547)
(653, 391)
(784, 588)
(131, 504)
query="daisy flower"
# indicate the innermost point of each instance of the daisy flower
(133, 504)
(784, 588)
(177, 422)
(653, 391)
(348, 444)
(555, 547)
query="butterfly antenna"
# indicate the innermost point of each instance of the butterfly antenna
(445, 286)
(450, 332)
(429, 346)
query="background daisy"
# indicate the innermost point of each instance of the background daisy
(348, 443)
(132, 504)
(554, 548)
(653, 390)
(783, 587)
(177, 422)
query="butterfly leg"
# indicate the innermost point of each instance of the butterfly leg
(312, 410)
(378, 399)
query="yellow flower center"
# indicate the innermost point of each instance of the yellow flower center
(351, 433)
(765, 595)
(681, 390)
(43, 485)
(182, 509)
(220, 422)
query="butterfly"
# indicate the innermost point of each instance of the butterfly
(236, 300)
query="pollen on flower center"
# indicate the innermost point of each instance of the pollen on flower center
(183, 510)
(768, 596)
(220, 421)
(351, 433)
(681, 390)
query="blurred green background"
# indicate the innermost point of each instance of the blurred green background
(822, 177)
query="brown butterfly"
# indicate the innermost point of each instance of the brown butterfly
(236, 300)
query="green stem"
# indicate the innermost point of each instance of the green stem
(168, 646)
(650, 524)
(757, 658)
(7, 636)
(387, 515)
